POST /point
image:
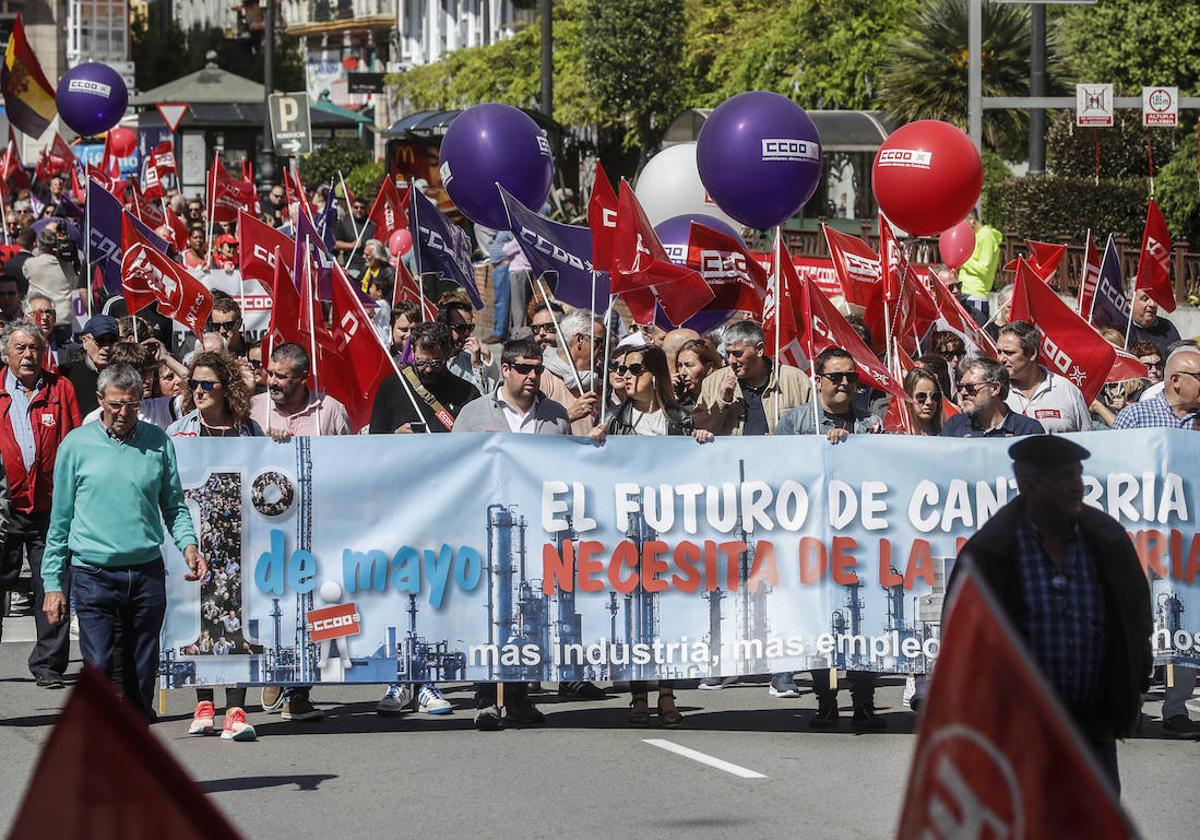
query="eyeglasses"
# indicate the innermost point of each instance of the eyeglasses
(1155, 364)
(105, 340)
(970, 389)
(927, 396)
(839, 378)
(428, 363)
(224, 326)
(526, 368)
(463, 329)
(255, 364)
(543, 328)
(954, 354)
(118, 407)
(206, 384)
(636, 369)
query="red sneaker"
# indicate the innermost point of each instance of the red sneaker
(236, 728)
(202, 719)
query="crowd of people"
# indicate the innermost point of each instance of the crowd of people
(560, 371)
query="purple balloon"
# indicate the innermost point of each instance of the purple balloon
(759, 157)
(491, 144)
(674, 233)
(91, 98)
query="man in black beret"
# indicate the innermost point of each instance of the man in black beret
(1070, 581)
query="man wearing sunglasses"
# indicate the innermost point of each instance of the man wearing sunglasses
(1177, 407)
(429, 386)
(981, 394)
(516, 406)
(100, 333)
(469, 359)
(837, 380)
(226, 321)
(582, 334)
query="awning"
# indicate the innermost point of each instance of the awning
(430, 123)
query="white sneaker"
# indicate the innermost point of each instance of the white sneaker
(396, 701)
(716, 683)
(431, 702)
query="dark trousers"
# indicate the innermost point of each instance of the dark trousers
(134, 599)
(485, 693)
(235, 696)
(1105, 752)
(862, 687)
(27, 537)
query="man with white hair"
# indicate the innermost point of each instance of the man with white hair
(1177, 407)
(570, 378)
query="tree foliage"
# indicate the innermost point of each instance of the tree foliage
(364, 179)
(926, 72)
(1059, 209)
(632, 52)
(323, 165)
(1071, 151)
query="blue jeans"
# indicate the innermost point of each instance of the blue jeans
(133, 598)
(500, 300)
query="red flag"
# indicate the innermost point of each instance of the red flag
(1043, 259)
(786, 314)
(896, 290)
(164, 158)
(59, 157)
(148, 277)
(153, 189)
(13, 171)
(389, 211)
(984, 766)
(1071, 347)
(602, 219)
(28, 96)
(642, 271)
(101, 177)
(359, 346)
(405, 288)
(228, 195)
(178, 230)
(1091, 275)
(285, 303)
(259, 243)
(857, 266)
(148, 212)
(293, 191)
(1126, 367)
(1154, 262)
(102, 774)
(955, 317)
(737, 280)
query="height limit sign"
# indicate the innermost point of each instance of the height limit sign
(1160, 106)
(291, 126)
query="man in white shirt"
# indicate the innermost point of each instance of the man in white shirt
(1035, 391)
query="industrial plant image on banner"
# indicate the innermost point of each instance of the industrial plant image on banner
(520, 557)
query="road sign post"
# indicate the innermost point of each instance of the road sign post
(291, 125)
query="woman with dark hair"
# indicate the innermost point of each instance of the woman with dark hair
(650, 409)
(695, 360)
(926, 413)
(617, 381)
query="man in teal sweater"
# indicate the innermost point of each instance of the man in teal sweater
(115, 482)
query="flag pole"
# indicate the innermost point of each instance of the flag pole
(1083, 274)
(346, 201)
(87, 247)
(778, 272)
(592, 337)
(312, 324)
(212, 210)
(607, 344)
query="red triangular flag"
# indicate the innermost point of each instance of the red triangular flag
(737, 280)
(954, 317)
(1154, 261)
(359, 345)
(259, 243)
(1091, 276)
(406, 288)
(984, 766)
(856, 265)
(389, 211)
(602, 219)
(104, 776)
(148, 277)
(1043, 259)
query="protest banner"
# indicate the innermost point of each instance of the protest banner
(522, 558)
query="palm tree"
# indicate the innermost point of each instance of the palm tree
(925, 77)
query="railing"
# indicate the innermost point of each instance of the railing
(1185, 269)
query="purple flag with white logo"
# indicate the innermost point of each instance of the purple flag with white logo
(104, 234)
(307, 233)
(441, 246)
(563, 250)
(1110, 306)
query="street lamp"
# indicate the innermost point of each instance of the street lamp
(266, 166)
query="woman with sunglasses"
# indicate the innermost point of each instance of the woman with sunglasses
(695, 360)
(217, 403)
(649, 410)
(926, 412)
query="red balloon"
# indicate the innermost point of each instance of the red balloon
(957, 244)
(927, 177)
(400, 242)
(122, 142)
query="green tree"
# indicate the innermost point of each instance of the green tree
(1071, 150)
(632, 53)
(1131, 43)
(926, 71)
(324, 164)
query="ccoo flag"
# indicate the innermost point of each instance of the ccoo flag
(28, 96)
(1154, 261)
(1110, 308)
(564, 250)
(440, 245)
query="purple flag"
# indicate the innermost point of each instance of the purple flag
(440, 245)
(306, 232)
(562, 250)
(104, 234)
(1110, 306)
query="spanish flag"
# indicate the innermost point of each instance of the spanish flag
(28, 97)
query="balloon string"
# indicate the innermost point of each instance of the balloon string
(1150, 159)
(1096, 138)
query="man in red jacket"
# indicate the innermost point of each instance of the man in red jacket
(37, 409)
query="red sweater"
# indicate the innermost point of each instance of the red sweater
(53, 412)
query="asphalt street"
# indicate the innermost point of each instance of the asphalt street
(745, 763)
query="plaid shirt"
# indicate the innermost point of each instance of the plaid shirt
(1155, 414)
(1064, 618)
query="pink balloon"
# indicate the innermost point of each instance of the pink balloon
(956, 244)
(122, 141)
(400, 242)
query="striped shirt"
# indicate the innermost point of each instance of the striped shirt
(18, 415)
(1064, 617)
(1155, 413)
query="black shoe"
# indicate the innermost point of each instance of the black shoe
(581, 690)
(826, 717)
(865, 719)
(1178, 726)
(50, 680)
(487, 719)
(523, 712)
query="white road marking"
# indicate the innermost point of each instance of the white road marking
(703, 758)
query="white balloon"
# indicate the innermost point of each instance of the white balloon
(669, 185)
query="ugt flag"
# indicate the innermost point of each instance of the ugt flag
(985, 766)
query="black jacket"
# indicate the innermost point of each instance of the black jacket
(679, 421)
(393, 406)
(1128, 660)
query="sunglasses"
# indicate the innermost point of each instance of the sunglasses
(927, 396)
(206, 384)
(428, 363)
(462, 329)
(526, 368)
(636, 369)
(1156, 364)
(105, 340)
(840, 378)
(542, 328)
(224, 326)
(971, 389)
(954, 354)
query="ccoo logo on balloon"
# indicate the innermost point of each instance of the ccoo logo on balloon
(912, 158)
(786, 149)
(89, 86)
